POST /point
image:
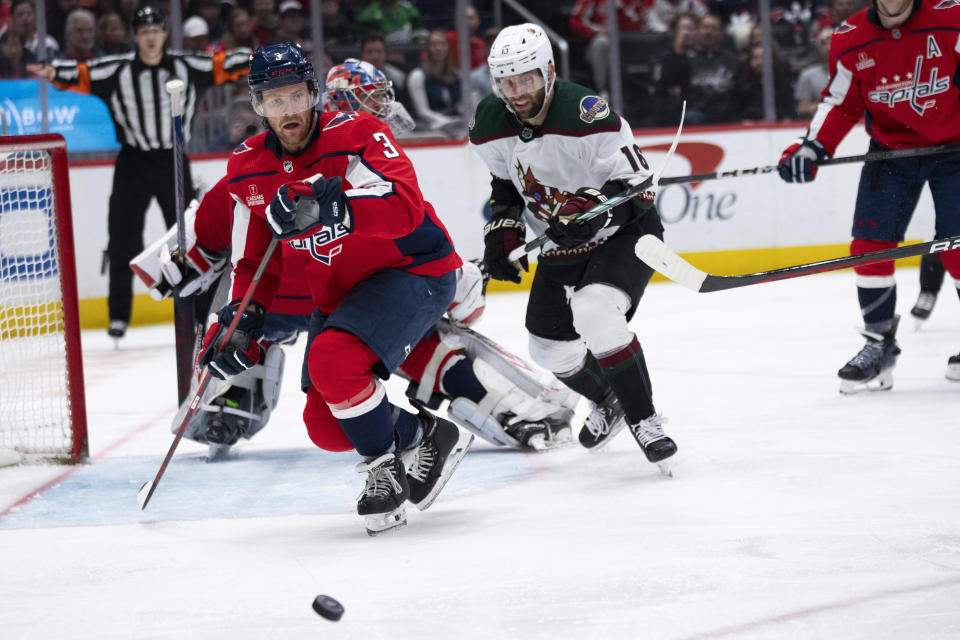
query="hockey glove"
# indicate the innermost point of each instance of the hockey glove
(500, 237)
(242, 350)
(799, 161)
(197, 273)
(303, 205)
(564, 227)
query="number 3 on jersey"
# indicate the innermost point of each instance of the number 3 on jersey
(389, 150)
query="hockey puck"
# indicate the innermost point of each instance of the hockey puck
(327, 607)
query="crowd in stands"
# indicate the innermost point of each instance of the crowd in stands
(707, 52)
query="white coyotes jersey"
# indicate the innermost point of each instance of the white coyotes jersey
(582, 143)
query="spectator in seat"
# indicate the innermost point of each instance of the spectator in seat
(211, 12)
(435, 88)
(840, 10)
(672, 71)
(196, 35)
(265, 20)
(338, 23)
(113, 36)
(397, 20)
(373, 49)
(480, 77)
(292, 25)
(57, 13)
(813, 79)
(127, 10)
(13, 56)
(23, 21)
(712, 96)
(661, 13)
(588, 19)
(245, 123)
(79, 37)
(750, 86)
(239, 31)
(477, 48)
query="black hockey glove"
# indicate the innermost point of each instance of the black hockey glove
(301, 206)
(501, 236)
(798, 163)
(242, 351)
(566, 230)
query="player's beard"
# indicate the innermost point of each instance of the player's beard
(293, 139)
(896, 13)
(535, 100)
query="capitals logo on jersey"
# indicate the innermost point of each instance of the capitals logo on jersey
(315, 243)
(910, 87)
(542, 200)
(342, 117)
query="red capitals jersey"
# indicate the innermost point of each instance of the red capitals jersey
(213, 226)
(902, 80)
(392, 226)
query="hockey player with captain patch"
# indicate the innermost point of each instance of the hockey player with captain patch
(555, 150)
(896, 64)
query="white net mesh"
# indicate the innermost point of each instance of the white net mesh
(34, 400)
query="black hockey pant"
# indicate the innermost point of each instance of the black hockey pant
(138, 176)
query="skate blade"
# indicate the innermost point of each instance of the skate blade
(953, 372)
(666, 466)
(883, 382)
(218, 452)
(378, 523)
(456, 455)
(918, 322)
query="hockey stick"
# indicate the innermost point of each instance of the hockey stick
(634, 190)
(146, 491)
(184, 317)
(872, 156)
(659, 256)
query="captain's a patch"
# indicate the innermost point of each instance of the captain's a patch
(593, 108)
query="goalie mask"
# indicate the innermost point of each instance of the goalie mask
(356, 85)
(517, 50)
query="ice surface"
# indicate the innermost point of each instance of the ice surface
(795, 512)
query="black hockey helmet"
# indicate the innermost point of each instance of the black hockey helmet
(148, 16)
(280, 65)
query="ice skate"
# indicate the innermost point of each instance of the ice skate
(657, 446)
(604, 422)
(440, 450)
(541, 435)
(116, 330)
(872, 368)
(923, 307)
(953, 368)
(381, 502)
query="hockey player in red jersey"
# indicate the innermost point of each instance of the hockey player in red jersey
(380, 268)
(896, 65)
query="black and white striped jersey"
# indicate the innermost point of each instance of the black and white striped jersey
(135, 93)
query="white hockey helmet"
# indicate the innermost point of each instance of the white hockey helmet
(517, 49)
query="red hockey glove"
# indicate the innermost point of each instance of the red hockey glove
(305, 204)
(501, 236)
(566, 230)
(242, 350)
(799, 161)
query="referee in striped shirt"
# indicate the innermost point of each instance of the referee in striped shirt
(133, 87)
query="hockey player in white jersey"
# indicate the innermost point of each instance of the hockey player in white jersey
(555, 150)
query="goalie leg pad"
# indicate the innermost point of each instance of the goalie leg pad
(478, 422)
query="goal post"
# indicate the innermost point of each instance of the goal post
(42, 407)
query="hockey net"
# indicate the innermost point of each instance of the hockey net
(42, 411)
